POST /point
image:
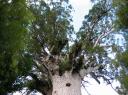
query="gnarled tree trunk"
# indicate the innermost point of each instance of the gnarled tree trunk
(67, 84)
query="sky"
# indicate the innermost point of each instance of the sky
(81, 8)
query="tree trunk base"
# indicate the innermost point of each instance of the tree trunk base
(67, 84)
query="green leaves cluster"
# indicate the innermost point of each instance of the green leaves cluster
(121, 12)
(52, 26)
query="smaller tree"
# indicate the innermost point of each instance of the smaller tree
(14, 21)
(121, 9)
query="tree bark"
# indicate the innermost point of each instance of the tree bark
(67, 84)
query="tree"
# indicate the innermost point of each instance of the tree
(60, 67)
(122, 62)
(42, 50)
(14, 22)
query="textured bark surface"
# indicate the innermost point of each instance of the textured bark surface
(67, 84)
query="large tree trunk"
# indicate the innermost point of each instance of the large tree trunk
(67, 84)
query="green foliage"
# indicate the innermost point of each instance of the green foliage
(14, 35)
(121, 7)
(121, 12)
(123, 78)
(125, 81)
(123, 64)
(123, 59)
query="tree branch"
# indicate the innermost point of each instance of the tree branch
(85, 89)
(104, 34)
